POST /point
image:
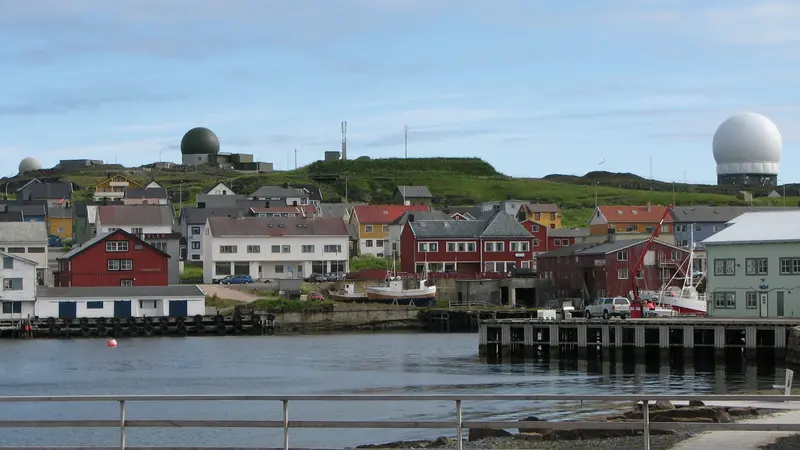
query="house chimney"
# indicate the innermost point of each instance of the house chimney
(649, 207)
(410, 218)
(238, 214)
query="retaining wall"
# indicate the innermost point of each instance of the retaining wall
(793, 347)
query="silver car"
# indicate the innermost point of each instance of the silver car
(609, 307)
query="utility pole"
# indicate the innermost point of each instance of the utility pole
(405, 144)
(295, 159)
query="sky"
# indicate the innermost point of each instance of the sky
(532, 86)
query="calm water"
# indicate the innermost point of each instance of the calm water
(336, 364)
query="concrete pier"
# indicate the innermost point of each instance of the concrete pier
(606, 339)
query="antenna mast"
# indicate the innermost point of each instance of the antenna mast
(405, 144)
(344, 140)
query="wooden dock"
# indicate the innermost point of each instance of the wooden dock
(603, 339)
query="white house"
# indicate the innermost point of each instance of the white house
(18, 295)
(117, 301)
(754, 266)
(281, 196)
(153, 185)
(28, 240)
(193, 225)
(220, 189)
(274, 247)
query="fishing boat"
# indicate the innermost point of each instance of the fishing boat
(684, 300)
(391, 291)
(347, 293)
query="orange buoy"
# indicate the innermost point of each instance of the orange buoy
(112, 342)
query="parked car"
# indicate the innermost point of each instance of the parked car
(316, 296)
(236, 279)
(316, 278)
(608, 307)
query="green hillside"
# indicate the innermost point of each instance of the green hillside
(453, 182)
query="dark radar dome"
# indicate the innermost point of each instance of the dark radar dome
(199, 141)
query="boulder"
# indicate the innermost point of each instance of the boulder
(442, 441)
(696, 403)
(717, 415)
(528, 419)
(739, 412)
(662, 405)
(529, 436)
(476, 434)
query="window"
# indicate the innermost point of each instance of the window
(253, 249)
(552, 216)
(306, 249)
(35, 249)
(241, 268)
(379, 243)
(8, 262)
(196, 257)
(126, 283)
(698, 227)
(622, 274)
(113, 264)
(724, 300)
(286, 248)
(368, 242)
(521, 246)
(790, 266)
(137, 230)
(755, 266)
(195, 230)
(12, 284)
(556, 242)
(332, 249)
(385, 228)
(318, 266)
(222, 268)
(535, 228)
(751, 300)
(16, 249)
(126, 264)
(227, 249)
(116, 246)
(451, 246)
(494, 246)
(622, 256)
(12, 307)
(428, 247)
(724, 267)
(160, 246)
(195, 246)
(449, 267)
(368, 228)
(147, 304)
(537, 216)
(94, 305)
(279, 268)
(275, 249)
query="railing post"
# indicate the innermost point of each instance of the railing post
(646, 417)
(459, 429)
(285, 424)
(122, 425)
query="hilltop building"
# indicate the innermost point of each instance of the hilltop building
(200, 146)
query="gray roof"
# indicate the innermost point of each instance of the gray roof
(414, 192)
(717, 214)
(121, 292)
(50, 191)
(23, 232)
(759, 227)
(219, 201)
(336, 209)
(566, 251)
(277, 226)
(352, 231)
(278, 192)
(136, 192)
(568, 232)
(27, 209)
(198, 216)
(12, 216)
(499, 225)
(421, 215)
(594, 248)
(60, 213)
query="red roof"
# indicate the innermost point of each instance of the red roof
(634, 214)
(384, 214)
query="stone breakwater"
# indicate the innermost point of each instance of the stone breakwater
(793, 347)
(529, 437)
(350, 318)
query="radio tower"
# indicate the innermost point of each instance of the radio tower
(344, 140)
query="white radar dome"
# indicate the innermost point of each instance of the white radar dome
(29, 165)
(747, 143)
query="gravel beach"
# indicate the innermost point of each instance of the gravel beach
(785, 443)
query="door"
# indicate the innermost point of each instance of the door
(779, 304)
(763, 304)
(122, 308)
(178, 308)
(67, 310)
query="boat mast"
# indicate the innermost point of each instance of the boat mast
(690, 275)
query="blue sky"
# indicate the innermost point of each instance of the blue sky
(534, 87)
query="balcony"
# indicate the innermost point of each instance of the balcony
(110, 194)
(122, 184)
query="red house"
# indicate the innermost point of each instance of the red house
(539, 233)
(605, 269)
(497, 244)
(564, 237)
(113, 259)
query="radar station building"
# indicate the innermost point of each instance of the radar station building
(200, 146)
(747, 148)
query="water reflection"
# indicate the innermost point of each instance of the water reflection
(337, 364)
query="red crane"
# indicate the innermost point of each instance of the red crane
(636, 304)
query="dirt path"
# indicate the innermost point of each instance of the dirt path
(228, 293)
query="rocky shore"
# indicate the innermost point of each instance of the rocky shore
(528, 436)
(784, 443)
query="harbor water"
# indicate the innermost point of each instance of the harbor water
(393, 363)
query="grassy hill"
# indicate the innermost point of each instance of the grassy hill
(453, 181)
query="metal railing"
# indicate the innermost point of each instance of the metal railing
(458, 424)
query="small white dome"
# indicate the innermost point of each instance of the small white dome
(29, 165)
(747, 143)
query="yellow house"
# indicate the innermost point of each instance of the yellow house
(631, 220)
(59, 222)
(373, 222)
(545, 214)
(114, 188)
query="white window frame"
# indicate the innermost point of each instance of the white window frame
(368, 229)
(113, 265)
(623, 274)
